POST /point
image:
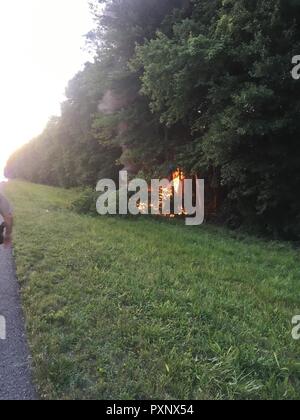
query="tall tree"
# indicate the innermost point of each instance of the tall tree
(204, 84)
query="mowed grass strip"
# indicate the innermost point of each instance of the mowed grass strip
(136, 308)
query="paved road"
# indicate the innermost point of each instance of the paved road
(15, 378)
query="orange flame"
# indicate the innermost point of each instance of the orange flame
(167, 193)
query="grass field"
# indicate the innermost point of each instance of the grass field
(138, 308)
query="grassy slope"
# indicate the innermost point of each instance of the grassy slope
(142, 309)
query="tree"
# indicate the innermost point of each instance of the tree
(201, 84)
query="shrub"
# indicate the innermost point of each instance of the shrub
(85, 203)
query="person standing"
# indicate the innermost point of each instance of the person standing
(7, 215)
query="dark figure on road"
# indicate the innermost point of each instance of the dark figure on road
(7, 225)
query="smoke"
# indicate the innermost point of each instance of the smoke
(111, 103)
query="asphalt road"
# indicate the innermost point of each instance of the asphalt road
(15, 376)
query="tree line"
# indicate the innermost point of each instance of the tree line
(204, 85)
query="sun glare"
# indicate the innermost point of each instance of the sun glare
(41, 44)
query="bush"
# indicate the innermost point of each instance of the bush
(85, 202)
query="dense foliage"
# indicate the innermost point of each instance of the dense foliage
(204, 84)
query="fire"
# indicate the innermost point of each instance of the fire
(178, 177)
(143, 207)
(167, 193)
(176, 182)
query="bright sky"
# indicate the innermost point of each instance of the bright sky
(41, 47)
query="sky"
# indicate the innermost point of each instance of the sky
(41, 49)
